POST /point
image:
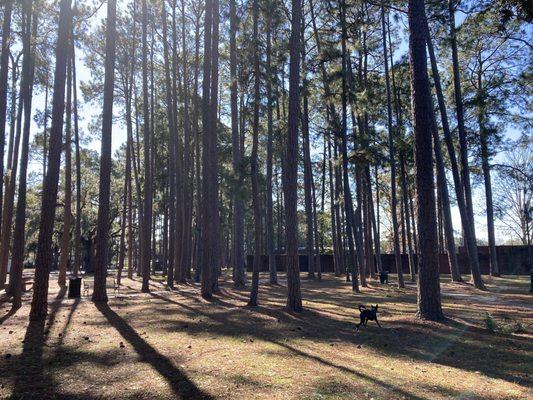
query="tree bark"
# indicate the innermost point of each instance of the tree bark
(124, 218)
(392, 159)
(17, 259)
(187, 179)
(147, 203)
(172, 153)
(308, 173)
(447, 215)
(43, 260)
(405, 196)
(348, 202)
(67, 208)
(272, 268)
(10, 178)
(77, 227)
(429, 301)
(214, 125)
(471, 247)
(294, 297)
(102, 235)
(485, 166)
(209, 254)
(239, 273)
(463, 149)
(4, 72)
(254, 162)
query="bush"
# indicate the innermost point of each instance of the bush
(490, 323)
(508, 327)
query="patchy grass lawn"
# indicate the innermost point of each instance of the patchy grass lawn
(173, 344)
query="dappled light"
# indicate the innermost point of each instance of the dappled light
(266, 199)
(173, 344)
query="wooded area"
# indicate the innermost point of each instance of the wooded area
(151, 147)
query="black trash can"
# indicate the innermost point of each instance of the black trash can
(74, 288)
(384, 277)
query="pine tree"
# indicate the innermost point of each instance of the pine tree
(429, 302)
(43, 260)
(102, 235)
(294, 297)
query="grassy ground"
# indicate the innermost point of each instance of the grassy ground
(167, 345)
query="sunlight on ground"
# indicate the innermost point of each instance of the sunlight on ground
(166, 345)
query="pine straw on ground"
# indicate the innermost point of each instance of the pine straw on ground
(173, 344)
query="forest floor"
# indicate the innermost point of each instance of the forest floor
(173, 344)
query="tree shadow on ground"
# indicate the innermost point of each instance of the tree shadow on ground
(181, 385)
(30, 379)
(454, 343)
(12, 311)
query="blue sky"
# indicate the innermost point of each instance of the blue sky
(88, 111)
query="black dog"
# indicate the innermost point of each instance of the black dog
(368, 315)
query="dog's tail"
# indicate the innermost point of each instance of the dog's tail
(361, 307)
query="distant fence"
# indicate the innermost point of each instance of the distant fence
(511, 260)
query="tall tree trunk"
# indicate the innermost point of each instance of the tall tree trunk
(214, 125)
(485, 166)
(405, 197)
(367, 200)
(77, 227)
(254, 162)
(357, 218)
(15, 276)
(405, 211)
(338, 257)
(392, 159)
(164, 243)
(153, 146)
(239, 274)
(471, 247)
(136, 173)
(429, 301)
(13, 112)
(308, 177)
(147, 203)
(272, 268)
(446, 211)
(333, 127)
(294, 297)
(339, 216)
(209, 254)
(129, 89)
(4, 72)
(316, 251)
(197, 157)
(348, 203)
(124, 217)
(375, 230)
(67, 208)
(130, 215)
(187, 181)
(102, 235)
(172, 153)
(463, 147)
(39, 305)
(178, 148)
(10, 178)
(45, 123)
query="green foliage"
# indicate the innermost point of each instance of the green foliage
(506, 327)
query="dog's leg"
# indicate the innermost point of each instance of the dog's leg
(377, 322)
(360, 323)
